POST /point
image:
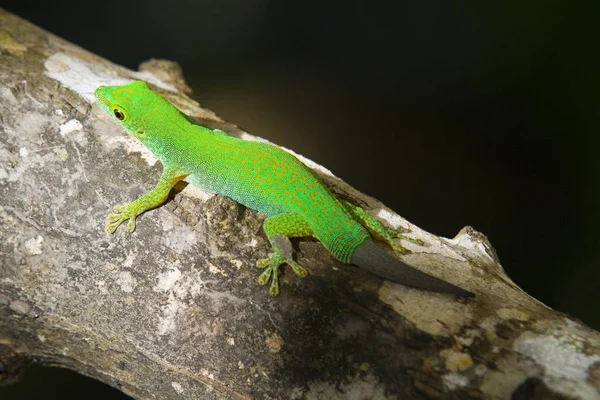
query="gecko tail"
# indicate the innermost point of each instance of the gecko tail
(379, 262)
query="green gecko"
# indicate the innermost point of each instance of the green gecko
(260, 176)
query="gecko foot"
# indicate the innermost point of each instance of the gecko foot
(122, 214)
(271, 271)
(380, 231)
(390, 236)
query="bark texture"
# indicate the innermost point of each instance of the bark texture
(173, 311)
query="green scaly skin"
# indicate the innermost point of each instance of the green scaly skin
(258, 175)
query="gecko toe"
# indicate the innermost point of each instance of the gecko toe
(131, 225)
(274, 289)
(271, 273)
(264, 278)
(297, 268)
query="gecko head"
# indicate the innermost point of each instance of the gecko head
(128, 104)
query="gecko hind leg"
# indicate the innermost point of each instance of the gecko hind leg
(378, 230)
(279, 228)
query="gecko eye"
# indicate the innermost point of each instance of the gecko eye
(120, 116)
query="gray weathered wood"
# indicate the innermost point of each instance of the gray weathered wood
(173, 310)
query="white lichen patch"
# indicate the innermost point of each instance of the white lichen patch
(564, 364)
(167, 279)
(454, 381)
(359, 387)
(129, 259)
(79, 75)
(429, 312)
(169, 313)
(33, 246)
(101, 285)
(180, 239)
(177, 387)
(207, 373)
(181, 290)
(61, 153)
(70, 126)
(33, 155)
(7, 96)
(132, 145)
(83, 77)
(216, 270)
(392, 219)
(126, 281)
(193, 284)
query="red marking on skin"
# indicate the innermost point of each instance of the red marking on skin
(126, 90)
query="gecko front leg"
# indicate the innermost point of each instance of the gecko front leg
(151, 199)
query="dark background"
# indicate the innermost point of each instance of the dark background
(452, 114)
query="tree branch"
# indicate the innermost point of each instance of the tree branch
(173, 311)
